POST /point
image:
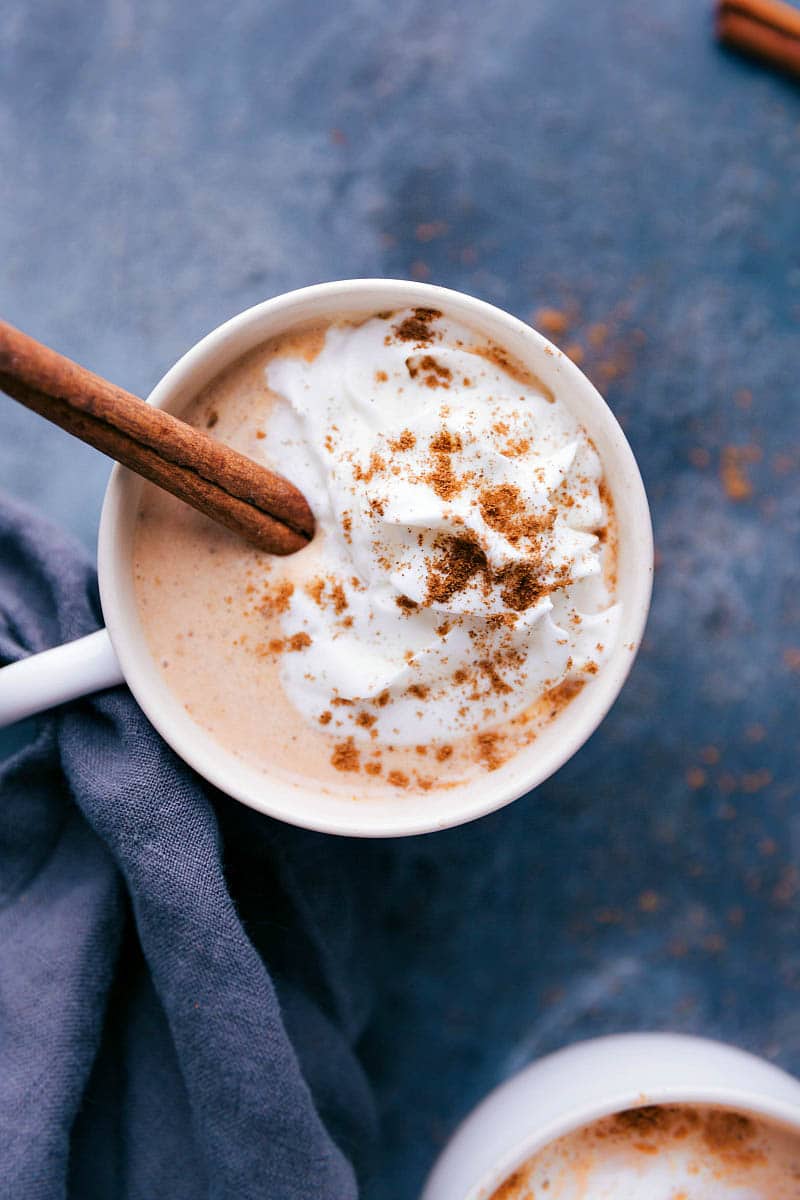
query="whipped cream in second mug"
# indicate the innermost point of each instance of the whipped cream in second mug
(461, 585)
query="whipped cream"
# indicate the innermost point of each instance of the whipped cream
(457, 574)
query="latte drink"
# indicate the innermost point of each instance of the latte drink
(664, 1152)
(460, 589)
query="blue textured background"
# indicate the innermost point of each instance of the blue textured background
(165, 165)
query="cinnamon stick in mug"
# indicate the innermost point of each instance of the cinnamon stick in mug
(227, 486)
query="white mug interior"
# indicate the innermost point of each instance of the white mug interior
(301, 803)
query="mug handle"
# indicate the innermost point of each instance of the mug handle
(44, 680)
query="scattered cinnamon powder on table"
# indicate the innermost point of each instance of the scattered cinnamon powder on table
(551, 320)
(732, 471)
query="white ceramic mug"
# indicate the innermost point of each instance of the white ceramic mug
(120, 652)
(582, 1083)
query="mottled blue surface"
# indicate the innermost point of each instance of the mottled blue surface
(165, 165)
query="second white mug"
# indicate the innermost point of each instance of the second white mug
(574, 1087)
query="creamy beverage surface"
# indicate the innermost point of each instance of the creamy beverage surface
(665, 1152)
(460, 588)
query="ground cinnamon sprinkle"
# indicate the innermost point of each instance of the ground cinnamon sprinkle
(496, 681)
(560, 696)
(436, 374)
(443, 753)
(274, 603)
(502, 509)
(406, 441)
(315, 589)
(325, 718)
(398, 778)
(459, 560)
(376, 464)
(646, 1120)
(443, 479)
(299, 641)
(339, 599)
(488, 748)
(417, 327)
(446, 442)
(441, 476)
(405, 602)
(730, 1135)
(345, 756)
(502, 359)
(365, 719)
(275, 646)
(372, 768)
(514, 1188)
(521, 585)
(381, 376)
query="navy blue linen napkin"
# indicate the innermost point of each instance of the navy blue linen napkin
(180, 986)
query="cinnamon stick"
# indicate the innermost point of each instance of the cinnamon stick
(765, 29)
(227, 486)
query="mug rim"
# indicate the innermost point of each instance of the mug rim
(368, 817)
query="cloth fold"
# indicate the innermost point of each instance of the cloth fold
(181, 987)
